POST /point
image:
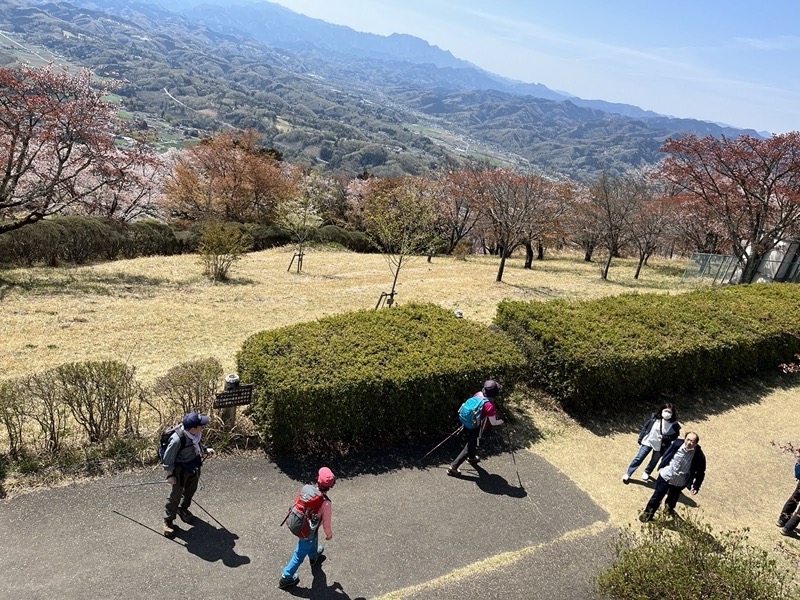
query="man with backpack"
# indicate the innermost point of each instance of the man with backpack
(310, 511)
(182, 456)
(474, 415)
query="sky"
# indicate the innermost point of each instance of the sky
(729, 62)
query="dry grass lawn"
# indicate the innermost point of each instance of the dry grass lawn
(158, 312)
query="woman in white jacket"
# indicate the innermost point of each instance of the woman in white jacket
(660, 430)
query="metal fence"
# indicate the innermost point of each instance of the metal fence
(716, 269)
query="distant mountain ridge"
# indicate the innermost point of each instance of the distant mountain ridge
(331, 96)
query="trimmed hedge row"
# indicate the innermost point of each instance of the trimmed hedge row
(604, 353)
(369, 377)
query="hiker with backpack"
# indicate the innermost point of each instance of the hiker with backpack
(310, 511)
(182, 453)
(475, 414)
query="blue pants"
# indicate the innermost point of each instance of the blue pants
(639, 459)
(672, 492)
(304, 548)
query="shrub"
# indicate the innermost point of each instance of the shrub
(222, 245)
(369, 377)
(187, 387)
(689, 564)
(610, 351)
(266, 236)
(352, 240)
(150, 237)
(12, 416)
(101, 397)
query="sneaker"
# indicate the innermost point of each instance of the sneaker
(626, 478)
(169, 528)
(645, 517)
(474, 461)
(780, 523)
(785, 531)
(317, 561)
(185, 515)
(285, 583)
(453, 472)
(645, 476)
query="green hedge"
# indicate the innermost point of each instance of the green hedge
(604, 353)
(369, 377)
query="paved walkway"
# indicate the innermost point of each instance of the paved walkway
(402, 533)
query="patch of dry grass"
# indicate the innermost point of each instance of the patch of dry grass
(157, 312)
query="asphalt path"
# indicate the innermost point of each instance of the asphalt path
(406, 532)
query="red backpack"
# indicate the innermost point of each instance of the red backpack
(304, 518)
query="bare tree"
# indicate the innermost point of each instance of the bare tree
(615, 200)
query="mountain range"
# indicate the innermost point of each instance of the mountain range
(328, 95)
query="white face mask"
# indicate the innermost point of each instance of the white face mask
(666, 415)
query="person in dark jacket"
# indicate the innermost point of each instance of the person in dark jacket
(789, 518)
(182, 461)
(683, 466)
(660, 430)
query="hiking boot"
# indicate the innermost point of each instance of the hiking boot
(645, 517)
(626, 479)
(645, 476)
(785, 531)
(169, 528)
(453, 472)
(185, 515)
(780, 523)
(285, 583)
(474, 461)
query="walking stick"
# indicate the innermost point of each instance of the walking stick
(460, 427)
(513, 458)
(114, 487)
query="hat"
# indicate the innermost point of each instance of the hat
(491, 388)
(193, 420)
(326, 478)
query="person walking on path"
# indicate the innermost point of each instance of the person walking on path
(483, 407)
(789, 518)
(683, 465)
(182, 461)
(660, 430)
(308, 544)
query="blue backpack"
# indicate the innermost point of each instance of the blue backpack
(470, 412)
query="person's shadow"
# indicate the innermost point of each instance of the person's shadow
(491, 483)
(210, 543)
(320, 589)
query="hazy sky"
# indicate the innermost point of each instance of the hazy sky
(717, 60)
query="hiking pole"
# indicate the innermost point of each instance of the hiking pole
(460, 427)
(209, 514)
(513, 458)
(114, 487)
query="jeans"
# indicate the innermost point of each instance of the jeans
(639, 458)
(304, 548)
(788, 516)
(186, 486)
(470, 448)
(663, 488)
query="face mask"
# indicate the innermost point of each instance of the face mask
(666, 415)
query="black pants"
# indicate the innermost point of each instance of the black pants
(185, 487)
(470, 448)
(663, 488)
(788, 516)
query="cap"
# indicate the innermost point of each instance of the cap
(491, 388)
(326, 478)
(194, 420)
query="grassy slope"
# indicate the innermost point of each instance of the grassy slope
(158, 312)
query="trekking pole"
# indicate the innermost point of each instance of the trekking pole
(209, 514)
(114, 487)
(513, 458)
(460, 427)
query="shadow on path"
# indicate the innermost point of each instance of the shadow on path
(210, 543)
(320, 589)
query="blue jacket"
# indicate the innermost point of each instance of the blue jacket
(697, 470)
(667, 439)
(797, 471)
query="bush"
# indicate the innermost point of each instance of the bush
(369, 377)
(150, 237)
(187, 387)
(266, 236)
(222, 245)
(689, 564)
(610, 351)
(352, 240)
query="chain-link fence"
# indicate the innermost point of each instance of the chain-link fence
(716, 269)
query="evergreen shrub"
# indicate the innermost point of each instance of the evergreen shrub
(369, 378)
(604, 353)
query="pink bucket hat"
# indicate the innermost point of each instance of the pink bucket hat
(326, 478)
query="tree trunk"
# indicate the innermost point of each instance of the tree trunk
(604, 270)
(528, 255)
(539, 250)
(588, 251)
(502, 266)
(642, 259)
